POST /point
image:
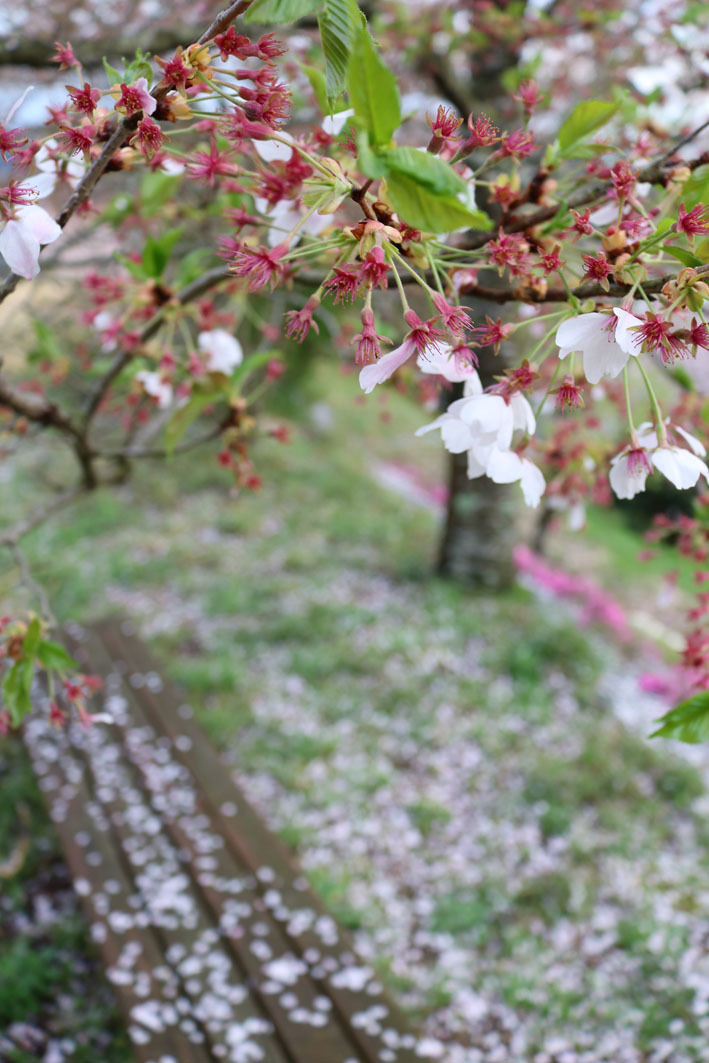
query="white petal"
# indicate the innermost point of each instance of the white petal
(523, 415)
(20, 249)
(490, 418)
(504, 467)
(694, 443)
(455, 435)
(680, 467)
(603, 358)
(625, 335)
(41, 225)
(624, 484)
(437, 360)
(472, 386)
(335, 123)
(42, 183)
(386, 366)
(273, 150)
(532, 483)
(573, 333)
(16, 105)
(475, 467)
(223, 351)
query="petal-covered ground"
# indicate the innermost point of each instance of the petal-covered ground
(528, 874)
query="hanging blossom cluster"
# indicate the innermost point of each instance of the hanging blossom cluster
(597, 241)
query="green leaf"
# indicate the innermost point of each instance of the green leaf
(685, 257)
(156, 253)
(46, 347)
(702, 249)
(139, 67)
(585, 118)
(17, 687)
(682, 378)
(373, 91)
(317, 84)
(191, 267)
(340, 24)
(371, 162)
(427, 170)
(281, 10)
(156, 189)
(184, 417)
(136, 269)
(114, 78)
(31, 639)
(54, 657)
(415, 204)
(688, 722)
(696, 188)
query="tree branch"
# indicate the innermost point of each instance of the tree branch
(123, 130)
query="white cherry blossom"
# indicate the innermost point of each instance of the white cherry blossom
(441, 361)
(30, 228)
(632, 466)
(156, 388)
(222, 351)
(604, 342)
(379, 371)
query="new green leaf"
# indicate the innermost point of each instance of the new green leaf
(374, 95)
(427, 170)
(186, 414)
(585, 119)
(156, 253)
(415, 204)
(281, 10)
(54, 657)
(688, 722)
(340, 24)
(696, 188)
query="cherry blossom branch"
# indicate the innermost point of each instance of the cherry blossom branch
(192, 291)
(126, 126)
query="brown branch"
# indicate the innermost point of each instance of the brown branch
(129, 453)
(125, 127)
(35, 408)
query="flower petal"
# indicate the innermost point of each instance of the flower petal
(20, 249)
(386, 366)
(625, 335)
(41, 225)
(680, 467)
(532, 483)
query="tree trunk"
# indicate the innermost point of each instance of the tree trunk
(479, 531)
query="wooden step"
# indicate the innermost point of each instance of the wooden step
(215, 943)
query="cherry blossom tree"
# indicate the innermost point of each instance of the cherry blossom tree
(329, 184)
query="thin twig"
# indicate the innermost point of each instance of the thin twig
(120, 134)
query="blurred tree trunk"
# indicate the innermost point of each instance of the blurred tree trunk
(479, 531)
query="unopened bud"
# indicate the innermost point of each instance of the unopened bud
(614, 240)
